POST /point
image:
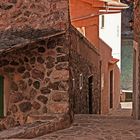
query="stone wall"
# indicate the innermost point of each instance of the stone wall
(35, 80)
(136, 81)
(85, 60)
(137, 21)
(22, 20)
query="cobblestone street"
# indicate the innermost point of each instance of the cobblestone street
(92, 127)
(117, 125)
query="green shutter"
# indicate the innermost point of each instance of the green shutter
(1, 96)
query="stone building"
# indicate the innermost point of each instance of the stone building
(87, 21)
(47, 67)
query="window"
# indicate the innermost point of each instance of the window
(102, 21)
(81, 81)
(111, 88)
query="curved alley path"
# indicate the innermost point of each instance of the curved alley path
(94, 127)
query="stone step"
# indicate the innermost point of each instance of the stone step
(37, 127)
(42, 118)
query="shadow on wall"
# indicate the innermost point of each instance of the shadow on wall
(12, 37)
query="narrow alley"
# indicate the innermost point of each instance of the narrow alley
(94, 127)
(118, 125)
(70, 69)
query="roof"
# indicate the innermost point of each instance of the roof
(111, 4)
(12, 37)
(113, 61)
(117, 3)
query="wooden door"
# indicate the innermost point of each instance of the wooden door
(111, 89)
(1, 96)
(90, 92)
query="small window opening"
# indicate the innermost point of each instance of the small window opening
(81, 81)
(102, 22)
(73, 83)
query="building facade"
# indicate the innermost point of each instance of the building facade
(110, 32)
(46, 66)
(88, 22)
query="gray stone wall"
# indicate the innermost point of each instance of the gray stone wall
(37, 78)
(85, 60)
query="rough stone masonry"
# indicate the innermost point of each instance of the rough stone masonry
(40, 55)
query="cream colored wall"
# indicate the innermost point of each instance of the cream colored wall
(111, 33)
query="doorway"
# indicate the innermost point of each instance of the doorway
(1, 96)
(111, 89)
(90, 92)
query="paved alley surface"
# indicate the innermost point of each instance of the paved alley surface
(92, 127)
